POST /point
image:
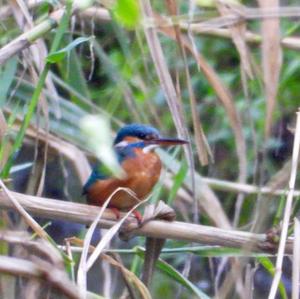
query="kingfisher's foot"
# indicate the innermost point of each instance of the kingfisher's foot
(116, 212)
(138, 216)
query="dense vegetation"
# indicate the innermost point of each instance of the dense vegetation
(223, 76)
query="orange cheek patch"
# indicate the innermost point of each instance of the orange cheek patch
(131, 139)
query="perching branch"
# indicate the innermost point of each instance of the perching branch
(81, 213)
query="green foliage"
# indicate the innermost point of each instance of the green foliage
(106, 68)
(181, 279)
(127, 13)
(177, 183)
(268, 265)
(34, 100)
(59, 55)
(7, 74)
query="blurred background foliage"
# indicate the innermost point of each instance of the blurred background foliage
(100, 63)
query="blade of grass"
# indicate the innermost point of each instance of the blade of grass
(30, 111)
(178, 180)
(279, 211)
(110, 233)
(287, 210)
(163, 73)
(59, 55)
(36, 95)
(296, 260)
(7, 74)
(268, 265)
(177, 276)
(225, 98)
(82, 267)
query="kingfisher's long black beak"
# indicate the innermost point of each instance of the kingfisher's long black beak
(167, 141)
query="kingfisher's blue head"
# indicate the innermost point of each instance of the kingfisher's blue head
(128, 139)
(143, 136)
(138, 132)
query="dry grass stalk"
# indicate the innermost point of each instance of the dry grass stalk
(82, 268)
(81, 213)
(6, 10)
(37, 247)
(207, 199)
(250, 37)
(272, 60)
(27, 218)
(287, 211)
(40, 270)
(225, 98)
(238, 36)
(68, 150)
(39, 260)
(163, 73)
(128, 276)
(85, 262)
(296, 260)
(245, 188)
(102, 15)
(24, 40)
(202, 146)
(111, 233)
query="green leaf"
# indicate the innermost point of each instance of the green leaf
(74, 76)
(174, 274)
(268, 265)
(177, 182)
(7, 74)
(60, 55)
(127, 13)
(203, 251)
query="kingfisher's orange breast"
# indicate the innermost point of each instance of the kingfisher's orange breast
(143, 171)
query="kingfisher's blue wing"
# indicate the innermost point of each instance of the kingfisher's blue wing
(96, 174)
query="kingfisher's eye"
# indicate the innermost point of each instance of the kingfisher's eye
(150, 137)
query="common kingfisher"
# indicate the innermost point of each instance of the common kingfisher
(134, 145)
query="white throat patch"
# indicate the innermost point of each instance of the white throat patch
(123, 143)
(149, 148)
